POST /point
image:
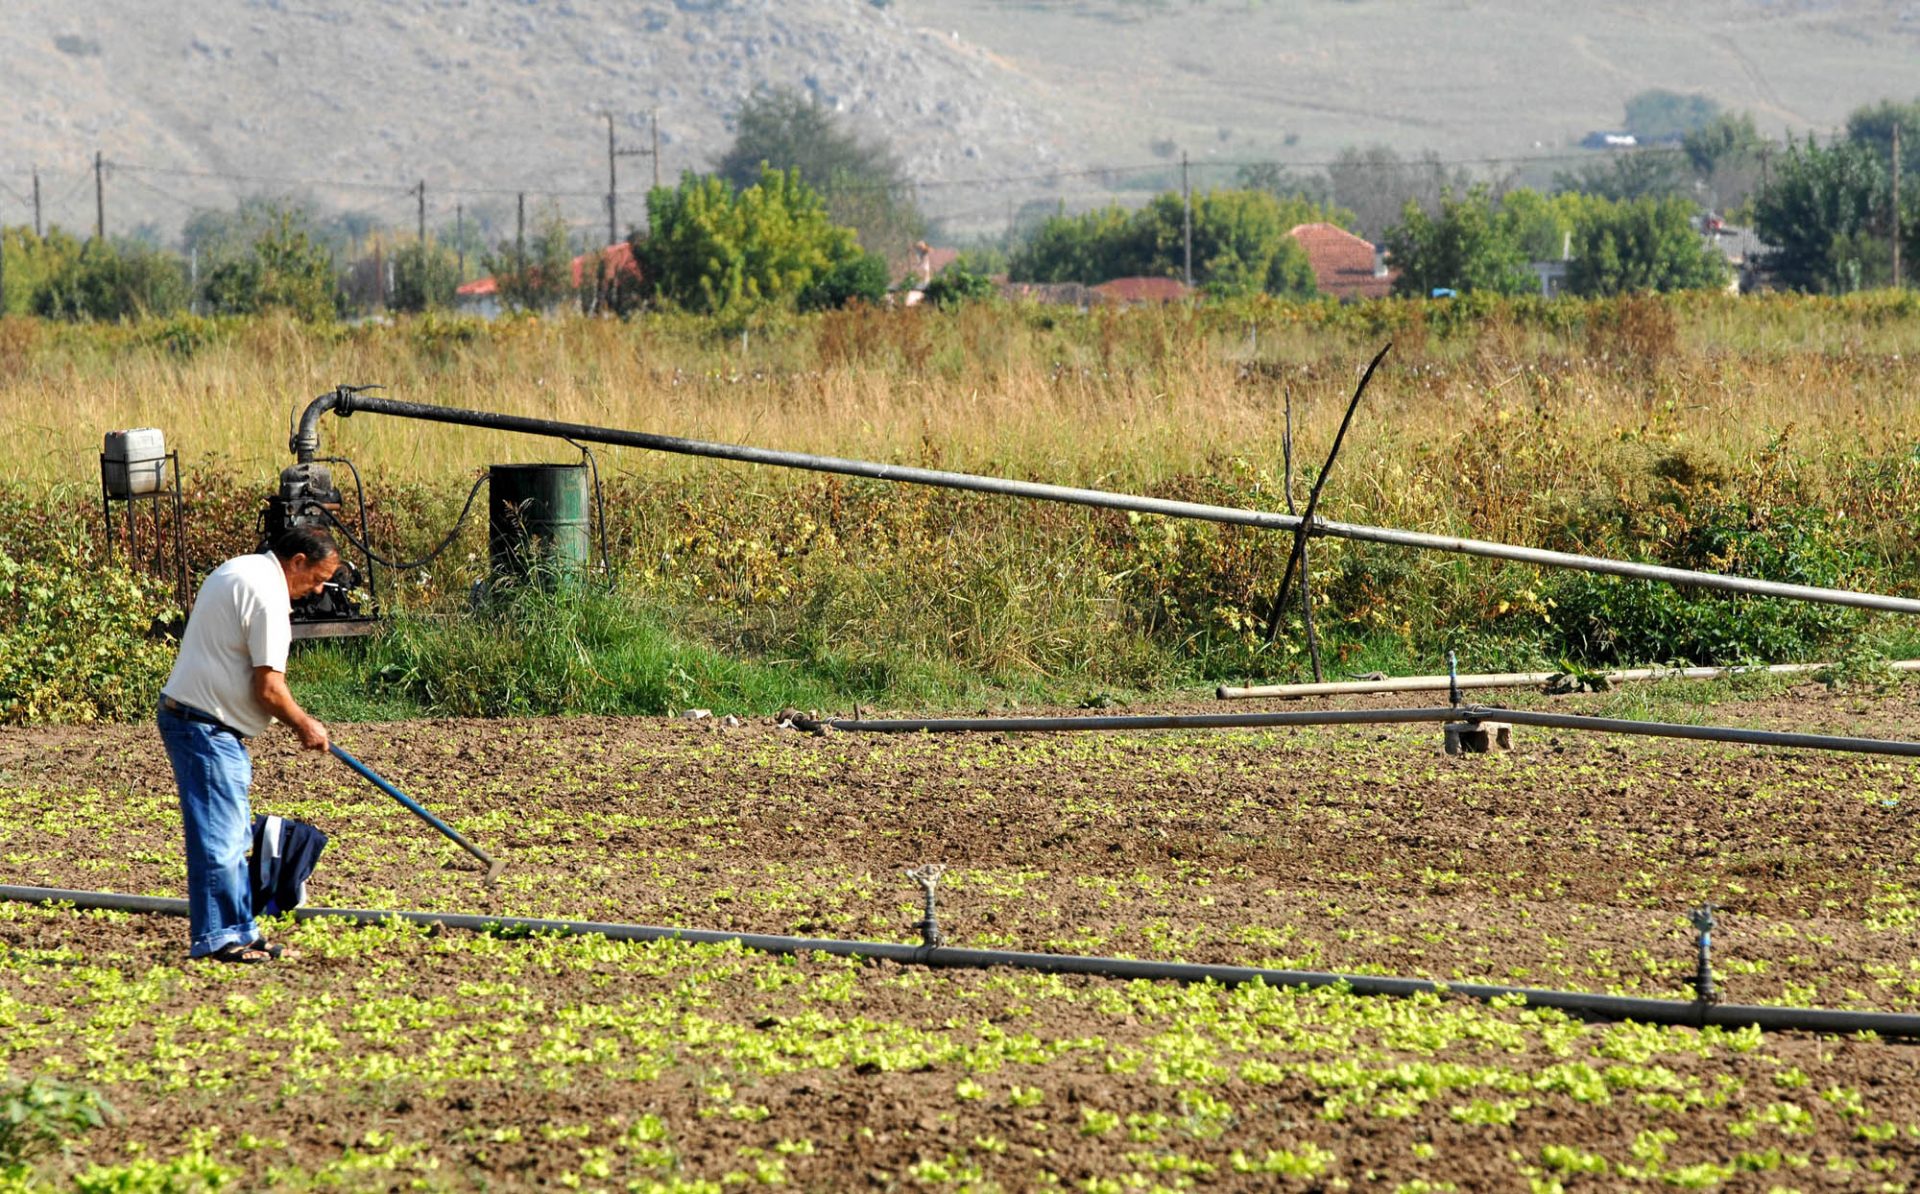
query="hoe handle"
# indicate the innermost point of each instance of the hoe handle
(419, 810)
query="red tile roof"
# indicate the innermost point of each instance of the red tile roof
(1142, 290)
(1342, 262)
(616, 259)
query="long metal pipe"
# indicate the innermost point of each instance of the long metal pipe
(1609, 1007)
(1228, 692)
(306, 442)
(1334, 717)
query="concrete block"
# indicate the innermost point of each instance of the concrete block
(1478, 737)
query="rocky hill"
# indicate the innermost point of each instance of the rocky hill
(353, 101)
(991, 103)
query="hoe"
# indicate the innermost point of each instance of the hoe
(419, 810)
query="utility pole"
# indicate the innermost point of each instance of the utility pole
(613, 185)
(420, 192)
(520, 238)
(460, 238)
(1186, 196)
(1896, 205)
(99, 197)
(614, 153)
(38, 230)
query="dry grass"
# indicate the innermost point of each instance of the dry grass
(1485, 426)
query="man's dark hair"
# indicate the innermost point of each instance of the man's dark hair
(311, 542)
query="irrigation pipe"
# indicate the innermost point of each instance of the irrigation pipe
(306, 444)
(1693, 1013)
(1228, 692)
(1332, 717)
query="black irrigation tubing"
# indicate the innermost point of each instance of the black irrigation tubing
(306, 444)
(1685, 1013)
(1333, 717)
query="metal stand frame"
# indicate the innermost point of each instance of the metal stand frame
(157, 563)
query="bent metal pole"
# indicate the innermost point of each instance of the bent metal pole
(1695, 1013)
(1229, 692)
(1337, 717)
(343, 401)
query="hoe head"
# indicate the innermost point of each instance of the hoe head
(494, 867)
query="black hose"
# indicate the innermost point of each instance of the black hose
(599, 510)
(1605, 1007)
(430, 557)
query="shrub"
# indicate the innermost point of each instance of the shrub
(75, 638)
(1603, 619)
(955, 287)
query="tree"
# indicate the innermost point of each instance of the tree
(1376, 184)
(1726, 153)
(280, 269)
(864, 185)
(718, 251)
(1240, 243)
(956, 287)
(1819, 210)
(1639, 246)
(1088, 247)
(1873, 125)
(859, 277)
(111, 282)
(1630, 174)
(1282, 182)
(31, 261)
(540, 276)
(1662, 115)
(1466, 247)
(425, 276)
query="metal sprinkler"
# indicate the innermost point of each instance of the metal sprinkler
(1702, 918)
(928, 877)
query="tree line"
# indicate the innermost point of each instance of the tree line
(803, 213)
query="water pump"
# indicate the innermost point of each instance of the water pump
(308, 498)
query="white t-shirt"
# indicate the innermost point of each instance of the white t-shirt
(239, 622)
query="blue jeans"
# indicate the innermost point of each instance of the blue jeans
(213, 771)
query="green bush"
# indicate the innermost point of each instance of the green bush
(1608, 620)
(76, 642)
(955, 287)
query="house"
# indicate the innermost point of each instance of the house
(1129, 292)
(617, 265)
(1745, 252)
(927, 261)
(1348, 267)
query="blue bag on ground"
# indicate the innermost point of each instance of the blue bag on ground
(284, 854)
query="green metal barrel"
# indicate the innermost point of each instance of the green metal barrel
(537, 521)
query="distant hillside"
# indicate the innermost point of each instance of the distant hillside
(503, 94)
(1299, 79)
(992, 103)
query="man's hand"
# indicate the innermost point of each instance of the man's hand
(312, 735)
(270, 689)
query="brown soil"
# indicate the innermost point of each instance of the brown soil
(1570, 863)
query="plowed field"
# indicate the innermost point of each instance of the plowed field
(393, 1056)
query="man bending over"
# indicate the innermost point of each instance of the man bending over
(228, 684)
